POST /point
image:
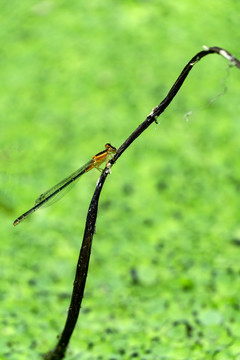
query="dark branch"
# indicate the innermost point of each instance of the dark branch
(80, 277)
(158, 110)
(83, 261)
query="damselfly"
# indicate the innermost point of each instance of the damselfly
(95, 162)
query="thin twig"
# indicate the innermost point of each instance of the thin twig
(82, 266)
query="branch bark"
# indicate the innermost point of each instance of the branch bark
(82, 266)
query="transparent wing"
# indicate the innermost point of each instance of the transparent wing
(55, 190)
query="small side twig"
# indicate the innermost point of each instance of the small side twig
(82, 266)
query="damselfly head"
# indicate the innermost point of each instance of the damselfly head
(110, 148)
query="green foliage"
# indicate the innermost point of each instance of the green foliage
(164, 274)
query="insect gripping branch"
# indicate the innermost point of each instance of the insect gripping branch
(82, 266)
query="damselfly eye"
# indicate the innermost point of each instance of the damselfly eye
(109, 146)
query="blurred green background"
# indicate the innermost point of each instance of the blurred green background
(164, 275)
